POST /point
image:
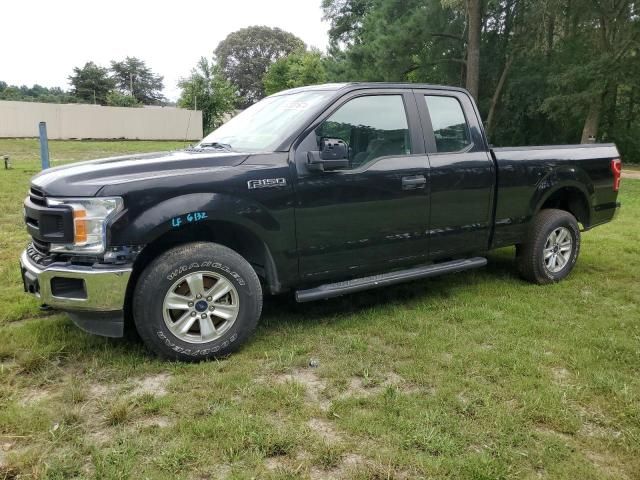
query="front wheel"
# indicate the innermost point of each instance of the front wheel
(551, 249)
(197, 301)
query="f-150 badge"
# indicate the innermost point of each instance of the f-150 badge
(267, 183)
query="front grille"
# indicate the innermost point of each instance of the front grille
(37, 196)
(46, 224)
(41, 247)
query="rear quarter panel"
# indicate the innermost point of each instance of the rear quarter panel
(528, 176)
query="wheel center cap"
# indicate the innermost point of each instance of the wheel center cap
(201, 305)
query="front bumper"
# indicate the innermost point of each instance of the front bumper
(94, 297)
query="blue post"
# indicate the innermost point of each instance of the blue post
(44, 145)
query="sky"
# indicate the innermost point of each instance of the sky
(42, 40)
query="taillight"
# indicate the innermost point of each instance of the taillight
(616, 169)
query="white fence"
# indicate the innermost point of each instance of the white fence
(20, 119)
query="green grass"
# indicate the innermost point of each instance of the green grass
(477, 375)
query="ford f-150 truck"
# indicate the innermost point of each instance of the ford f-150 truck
(321, 191)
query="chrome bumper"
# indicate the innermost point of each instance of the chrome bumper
(75, 287)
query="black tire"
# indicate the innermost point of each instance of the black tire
(530, 255)
(165, 271)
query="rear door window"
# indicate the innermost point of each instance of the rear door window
(449, 123)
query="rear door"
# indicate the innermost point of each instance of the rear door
(462, 175)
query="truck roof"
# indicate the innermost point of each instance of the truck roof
(360, 85)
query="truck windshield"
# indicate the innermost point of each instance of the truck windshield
(266, 124)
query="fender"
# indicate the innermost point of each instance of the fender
(186, 210)
(559, 178)
(191, 210)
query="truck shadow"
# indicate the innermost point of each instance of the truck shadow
(284, 307)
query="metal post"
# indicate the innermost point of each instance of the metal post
(7, 163)
(44, 145)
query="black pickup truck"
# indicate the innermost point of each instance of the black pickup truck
(322, 191)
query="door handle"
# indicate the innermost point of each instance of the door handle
(413, 182)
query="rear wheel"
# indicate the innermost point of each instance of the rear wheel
(551, 249)
(197, 301)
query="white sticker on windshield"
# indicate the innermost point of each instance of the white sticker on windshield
(295, 106)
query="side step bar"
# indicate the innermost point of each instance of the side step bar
(331, 290)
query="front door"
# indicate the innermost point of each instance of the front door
(371, 216)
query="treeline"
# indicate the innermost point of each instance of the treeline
(36, 93)
(126, 83)
(542, 71)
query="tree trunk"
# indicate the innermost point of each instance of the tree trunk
(551, 30)
(610, 105)
(630, 108)
(473, 46)
(496, 96)
(592, 122)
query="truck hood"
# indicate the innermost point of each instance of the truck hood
(85, 179)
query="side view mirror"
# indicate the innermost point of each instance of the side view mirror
(333, 154)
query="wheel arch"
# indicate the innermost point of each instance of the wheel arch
(232, 235)
(569, 189)
(569, 198)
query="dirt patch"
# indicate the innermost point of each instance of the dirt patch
(99, 391)
(100, 435)
(275, 463)
(546, 430)
(160, 422)
(4, 448)
(594, 424)
(8, 364)
(607, 464)
(560, 375)
(361, 387)
(325, 430)
(633, 174)
(33, 396)
(348, 462)
(7, 472)
(314, 386)
(100, 428)
(590, 429)
(152, 384)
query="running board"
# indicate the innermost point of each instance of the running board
(331, 290)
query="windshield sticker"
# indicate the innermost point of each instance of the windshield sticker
(295, 106)
(188, 218)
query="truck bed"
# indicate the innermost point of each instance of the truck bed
(525, 175)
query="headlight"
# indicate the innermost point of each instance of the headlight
(90, 218)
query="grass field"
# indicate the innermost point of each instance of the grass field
(477, 375)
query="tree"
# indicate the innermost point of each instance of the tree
(117, 99)
(412, 40)
(91, 83)
(295, 70)
(245, 55)
(36, 93)
(474, 12)
(133, 76)
(207, 89)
